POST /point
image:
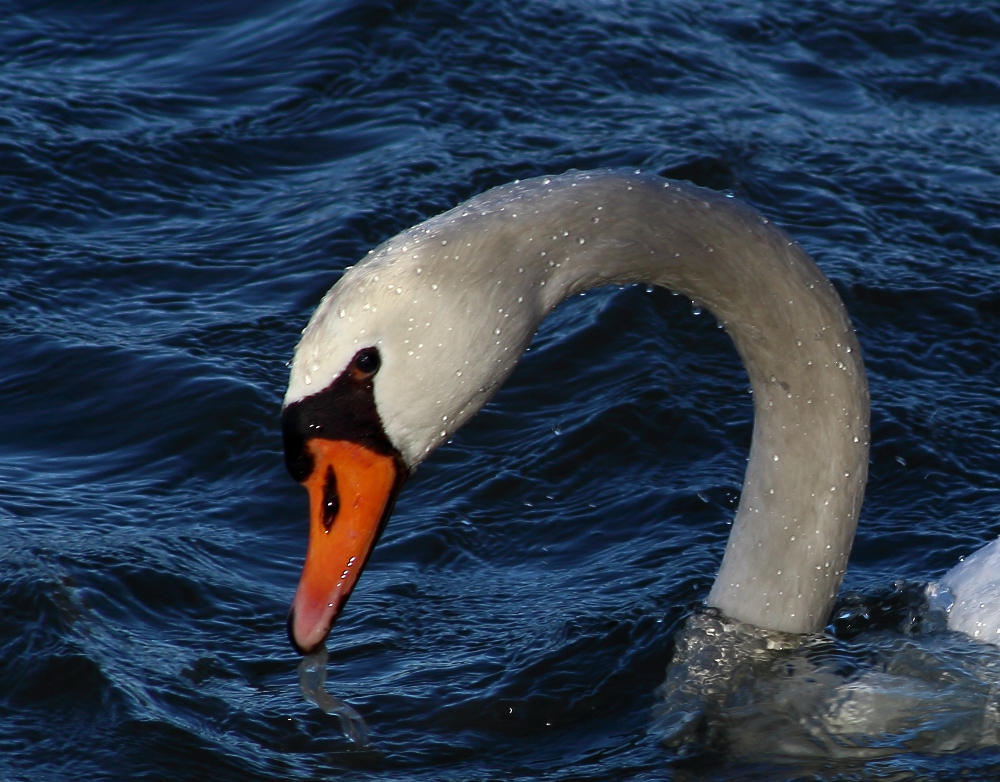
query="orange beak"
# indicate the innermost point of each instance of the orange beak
(351, 493)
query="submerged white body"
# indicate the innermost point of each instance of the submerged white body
(970, 593)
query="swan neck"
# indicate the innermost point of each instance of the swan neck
(807, 468)
(452, 304)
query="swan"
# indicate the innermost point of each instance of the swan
(414, 339)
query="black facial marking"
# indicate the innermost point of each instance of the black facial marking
(344, 410)
(331, 499)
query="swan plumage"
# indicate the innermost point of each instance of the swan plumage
(416, 338)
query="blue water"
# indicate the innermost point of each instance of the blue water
(180, 182)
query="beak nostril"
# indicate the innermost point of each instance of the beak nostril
(331, 499)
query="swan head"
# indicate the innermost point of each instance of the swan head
(406, 347)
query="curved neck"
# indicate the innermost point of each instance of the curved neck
(807, 470)
(480, 278)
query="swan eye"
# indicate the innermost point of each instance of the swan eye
(366, 363)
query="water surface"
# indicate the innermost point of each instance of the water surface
(179, 184)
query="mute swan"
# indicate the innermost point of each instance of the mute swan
(417, 337)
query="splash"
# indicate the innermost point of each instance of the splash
(760, 694)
